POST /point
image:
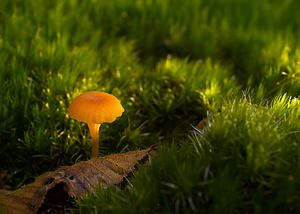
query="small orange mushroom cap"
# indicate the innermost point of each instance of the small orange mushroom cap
(95, 107)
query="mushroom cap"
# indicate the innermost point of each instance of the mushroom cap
(95, 107)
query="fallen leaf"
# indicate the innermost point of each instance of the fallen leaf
(202, 124)
(52, 192)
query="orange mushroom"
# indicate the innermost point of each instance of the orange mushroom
(95, 108)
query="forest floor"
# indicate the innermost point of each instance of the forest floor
(234, 64)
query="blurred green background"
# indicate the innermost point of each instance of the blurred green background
(171, 63)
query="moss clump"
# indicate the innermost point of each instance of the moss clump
(172, 63)
(246, 160)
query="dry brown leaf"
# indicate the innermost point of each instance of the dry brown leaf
(52, 190)
(202, 124)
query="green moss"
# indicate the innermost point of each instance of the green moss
(171, 63)
(245, 160)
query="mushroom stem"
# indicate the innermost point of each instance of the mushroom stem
(94, 132)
